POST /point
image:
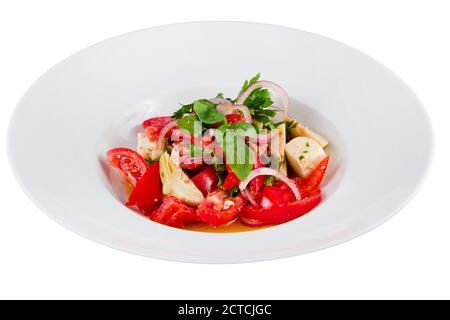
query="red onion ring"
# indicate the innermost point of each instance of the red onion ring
(180, 133)
(164, 131)
(279, 116)
(229, 109)
(191, 160)
(221, 101)
(251, 222)
(270, 172)
(249, 197)
(268, 85)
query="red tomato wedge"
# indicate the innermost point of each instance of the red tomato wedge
(276, 195)
(158, 122)
(280, 214)
(235, 117)
(218, 208)
(314, 179)
(153, 126)
(148, 190)
(130, 164)
(174, 213)
(257, 183)
(206, 181)
(231, 181)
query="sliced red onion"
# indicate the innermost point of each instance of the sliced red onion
(180, 133)
(225, 108)
(268, 85)
(249, 197)
(164, 131)
(229, 109)
(279, 116)
(251, 222)
(231, 221)
(270, 172)
(191, 160)
(245, 111)
(221, 101)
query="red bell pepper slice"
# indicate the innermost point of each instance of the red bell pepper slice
(257, 183)
(148, 190)
(314, 179)
(276, 195)
(281, 214)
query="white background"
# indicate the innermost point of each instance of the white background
(408, 257)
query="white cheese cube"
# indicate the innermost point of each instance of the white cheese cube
(304, 154)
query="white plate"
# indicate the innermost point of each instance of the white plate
(380, 135)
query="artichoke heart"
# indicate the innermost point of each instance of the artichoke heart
(298, 130)
(175, 182)
(278, 146)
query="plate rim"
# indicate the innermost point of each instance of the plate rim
(261, 257)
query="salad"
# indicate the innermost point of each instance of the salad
(218, 161)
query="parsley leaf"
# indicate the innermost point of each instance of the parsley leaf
(249, 83)
(220, 169)
(186, 108)
(259, 99)
(291, 124)
(233, 192)
(269, 180)
(259, 103)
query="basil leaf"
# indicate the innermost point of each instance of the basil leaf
(191, 124)
(244, 128)
(238, 156)
(207, 113)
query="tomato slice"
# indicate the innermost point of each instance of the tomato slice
(257, 183)
(231, 181)
(158, 122)
(153, 126)
(174, 213)
(206, 181)
(235, 117)
(275, 195)
(218, 208)
(130, 164)
(187, 161)
(314, 179)
(148, 190)
(281, 214)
